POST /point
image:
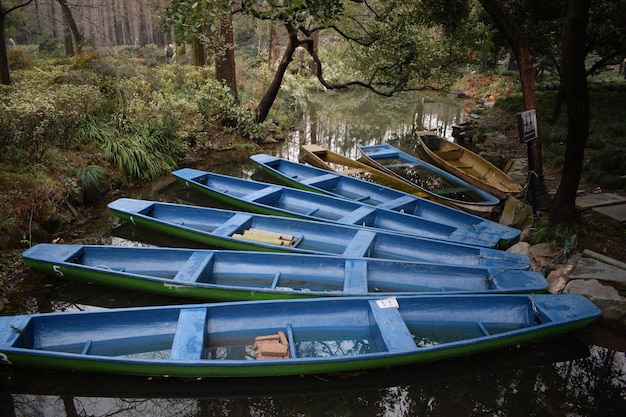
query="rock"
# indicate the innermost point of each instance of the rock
(516, 214)
(559, 277)
(600, 282)
(520, 247)
(517, 169)
(588, 268)
(606, 297)
(497, 139)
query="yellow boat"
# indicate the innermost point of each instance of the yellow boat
(467, 165)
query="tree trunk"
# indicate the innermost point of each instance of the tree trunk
(225, 55)
(71, 24)
(316, 42)
(5, 75)
(574, 80)
(509, 28)
(198, 53)
(126, 24)
(272, 91)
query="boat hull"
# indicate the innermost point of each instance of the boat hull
(321, 335)
(227, 229)
(396, 162)
(278, 200)
(322, 181)
(469, 166)
(246, 276)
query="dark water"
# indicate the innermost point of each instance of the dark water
(568, 376)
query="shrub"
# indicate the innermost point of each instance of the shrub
(19, 59)
(35, 117)
(93, 180)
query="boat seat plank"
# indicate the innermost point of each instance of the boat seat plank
(355, 278)
(383, 154)
(193, 268)
(319, 179)
(275, 280)
(233, 224)
(356, 217)
(291, 340)
(86, 348)
(351, 171)
(393, 329)
(190, 334)
(265, 192)
(361, 244)
(397, 202)
(14, 334)
(451, 155)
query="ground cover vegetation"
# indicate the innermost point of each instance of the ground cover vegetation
(76, 124)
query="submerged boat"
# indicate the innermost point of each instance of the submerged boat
(322, 181)
(428, 177)
(467, 165)
(241, 275)
(248, 231)
(278, 200)
(286, 337)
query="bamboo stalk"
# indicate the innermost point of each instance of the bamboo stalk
(262, 239)
(281, 236)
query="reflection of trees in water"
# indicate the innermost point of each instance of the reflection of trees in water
(30, 405)
(474, 386)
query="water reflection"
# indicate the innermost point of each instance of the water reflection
(549, 378)
(540, 379)
(341, 121)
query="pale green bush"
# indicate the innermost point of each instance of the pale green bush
(35, 117)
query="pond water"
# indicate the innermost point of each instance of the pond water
(558, 377)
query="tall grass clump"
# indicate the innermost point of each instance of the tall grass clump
(93, 180)
(139, 149)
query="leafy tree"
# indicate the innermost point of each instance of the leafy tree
(205, 24)
(576, 39)
(394, 46)
(7, 7)
(398, 46)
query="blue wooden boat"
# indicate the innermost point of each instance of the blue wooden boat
(429, 178)
(286, 337)
(319, 180)
(241, 275)
(278, 200)
(247, 231)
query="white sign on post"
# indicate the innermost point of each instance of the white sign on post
(527, 123)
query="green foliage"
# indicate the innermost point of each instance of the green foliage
(48, 44)
(140, 150)
(93, 180)
(192, 21)
(36, 116)
(402, 46)
(563, 234)
(217, 106)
